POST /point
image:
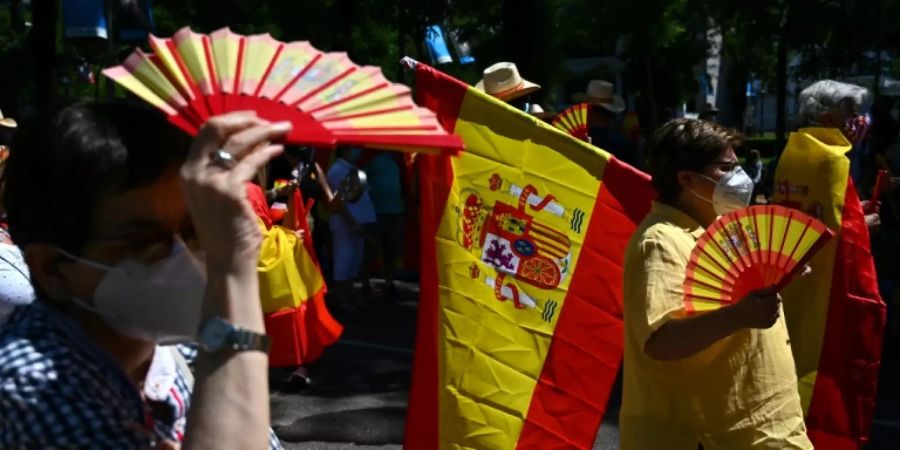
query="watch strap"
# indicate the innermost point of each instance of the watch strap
(243, 340)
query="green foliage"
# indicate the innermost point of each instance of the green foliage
(663, 40)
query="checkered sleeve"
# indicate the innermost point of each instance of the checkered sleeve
(189, 353)
(48, 401)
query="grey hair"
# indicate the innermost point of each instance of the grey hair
(827, 96)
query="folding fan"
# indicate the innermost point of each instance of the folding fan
(750, 249)
(329, 99)
(574, 121)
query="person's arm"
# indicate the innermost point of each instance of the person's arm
(230, 404)
(654, 306)
(683, 337)
(333, 203)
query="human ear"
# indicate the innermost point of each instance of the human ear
(686, 179)
(43, 262)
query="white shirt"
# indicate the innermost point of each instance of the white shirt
(15, 281)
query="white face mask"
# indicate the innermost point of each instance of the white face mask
(159, 302)
(733, 191)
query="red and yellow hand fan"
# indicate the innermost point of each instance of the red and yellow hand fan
(749, 249)
(574, 121)
(329, 99)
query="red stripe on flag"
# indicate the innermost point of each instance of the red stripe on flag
(444, 95)
(843, 399)
(584, 356)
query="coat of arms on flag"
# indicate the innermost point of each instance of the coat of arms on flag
(520, 321)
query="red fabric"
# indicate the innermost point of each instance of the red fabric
(301, 211)
(300, 335)
(569, 401)
(435, 179)
(260, 205)
(843, 400)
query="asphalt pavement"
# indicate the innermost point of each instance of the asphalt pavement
(358, 395)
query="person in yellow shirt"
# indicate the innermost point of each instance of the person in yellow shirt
(724, 378)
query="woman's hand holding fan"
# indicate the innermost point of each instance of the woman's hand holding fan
(744, 253)
(759, 309)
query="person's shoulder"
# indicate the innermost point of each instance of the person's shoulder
(53, 395)
(33, 352)
(659, 231)
(657, 236)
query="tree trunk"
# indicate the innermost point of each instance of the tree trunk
(876, 86)
(781, 95)
(781, 79)
(17, 19)
(738, 77)
(651, 96)
(45, 15)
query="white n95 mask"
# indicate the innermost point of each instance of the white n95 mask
(733, 191)
(158, 302)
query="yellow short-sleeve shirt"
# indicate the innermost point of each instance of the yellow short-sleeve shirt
(740, 393)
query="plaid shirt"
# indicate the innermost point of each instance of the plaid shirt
(59, 390)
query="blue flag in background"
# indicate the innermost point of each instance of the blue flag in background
(437, 46)
(84, 18)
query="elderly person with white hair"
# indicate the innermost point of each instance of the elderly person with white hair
(833, 104)
(835, 316)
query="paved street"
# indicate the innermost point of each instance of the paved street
(359, 391)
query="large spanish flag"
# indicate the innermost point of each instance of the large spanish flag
(835, 316)
(520, 322)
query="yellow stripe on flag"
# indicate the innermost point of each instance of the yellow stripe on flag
(486, 392)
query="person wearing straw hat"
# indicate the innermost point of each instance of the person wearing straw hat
(605, 105)
(503, 81)
(15, 281)
(7, 129)
(7, 122)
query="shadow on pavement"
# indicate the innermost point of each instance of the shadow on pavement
(358, 393)
(372, 426)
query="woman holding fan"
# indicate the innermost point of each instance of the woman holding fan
(723, 378)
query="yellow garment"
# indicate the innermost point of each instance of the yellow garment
(740, 393)
(812, 176)
(287, 274)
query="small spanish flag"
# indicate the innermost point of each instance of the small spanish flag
(523, 237)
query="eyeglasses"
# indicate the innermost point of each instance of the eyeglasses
(725, 166)
(147, 243)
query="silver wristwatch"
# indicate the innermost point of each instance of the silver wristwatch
(217, 335)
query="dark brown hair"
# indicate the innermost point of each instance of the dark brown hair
(685, 144)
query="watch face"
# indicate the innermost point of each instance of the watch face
(214, 334)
